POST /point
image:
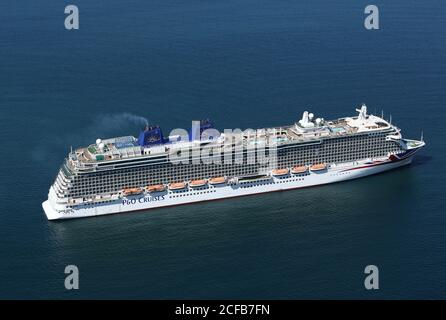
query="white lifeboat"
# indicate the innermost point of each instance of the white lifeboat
(156, 188)
(217, 180)
(197, 183)
(318, 167)
(279, 172)
(177, 185)
(131, 191)
(299, 169)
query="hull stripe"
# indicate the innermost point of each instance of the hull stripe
(392, 158)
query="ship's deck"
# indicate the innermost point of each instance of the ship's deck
(301, 131)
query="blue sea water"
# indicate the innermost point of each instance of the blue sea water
(244, 64)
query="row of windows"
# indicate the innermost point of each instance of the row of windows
(191, 194)
(345, 150)
(254, 184)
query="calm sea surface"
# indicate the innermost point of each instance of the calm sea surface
(244, 64)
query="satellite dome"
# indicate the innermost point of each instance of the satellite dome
(98, 141)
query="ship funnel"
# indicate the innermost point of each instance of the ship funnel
(151, 135)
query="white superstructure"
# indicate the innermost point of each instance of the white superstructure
(128, 174)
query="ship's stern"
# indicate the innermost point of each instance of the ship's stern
(50, 212)
(53, 207)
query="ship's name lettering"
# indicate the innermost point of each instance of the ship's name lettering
(142, 200)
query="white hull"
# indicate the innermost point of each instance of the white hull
(173, 198)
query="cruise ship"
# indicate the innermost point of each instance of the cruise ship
(126, 174)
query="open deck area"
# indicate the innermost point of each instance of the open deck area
(308, 128)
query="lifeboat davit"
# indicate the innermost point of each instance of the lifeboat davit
(299, 169)
(131, 191)
(177, 186)
(197, 183)
(318, 167)
(156, 188)
(217, 180)
(279, 172)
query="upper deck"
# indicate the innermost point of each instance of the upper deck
(306, 129)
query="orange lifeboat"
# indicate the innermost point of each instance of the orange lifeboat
(156, 188)
(279, 172)
(318, 167)
(197, 183)
(131, 191)
(177, 185)
(217, 180)
(299, 169)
